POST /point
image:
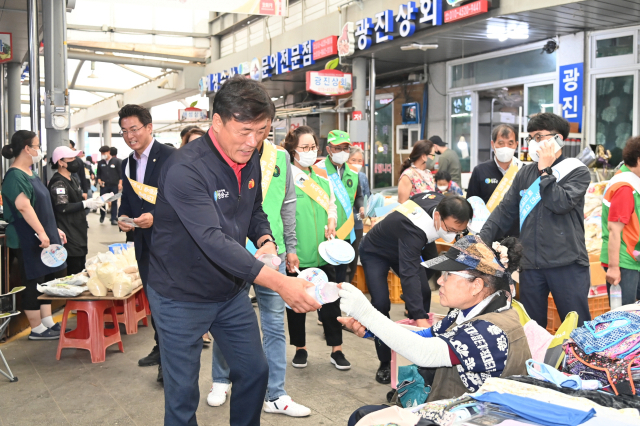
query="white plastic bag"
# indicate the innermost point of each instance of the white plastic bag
(107, 274)
(61, 290)
(96, 287)
(122, 285)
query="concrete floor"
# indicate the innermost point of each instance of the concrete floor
(118, 392)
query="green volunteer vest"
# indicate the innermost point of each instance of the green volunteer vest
(350, 182)
(272, 204)
(311, 219)
(626, 260)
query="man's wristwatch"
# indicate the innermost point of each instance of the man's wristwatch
(547, 170)
(269, 240)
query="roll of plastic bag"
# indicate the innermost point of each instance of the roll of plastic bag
(96, 287)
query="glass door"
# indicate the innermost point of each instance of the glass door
(461, 139)
(538, 98)
(383, 142)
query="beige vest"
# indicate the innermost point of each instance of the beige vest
(447, 382)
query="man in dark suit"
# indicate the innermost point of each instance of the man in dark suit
(140, 173)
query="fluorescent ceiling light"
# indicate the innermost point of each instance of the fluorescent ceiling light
(419, 46)
(510, 30)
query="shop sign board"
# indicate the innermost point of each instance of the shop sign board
(6, 48)
(286, 60)
(356, 116)
(347, 41)
(249, 7)
(571, 87)
(358, 144)
(326, 47)
(387, 24)
(192, 114)
(329, 82)
(466, 11)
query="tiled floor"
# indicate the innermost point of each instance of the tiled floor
(118, 392)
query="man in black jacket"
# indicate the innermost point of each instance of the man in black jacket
(140, 172)
(547, 198)
(209, 202)
(109, 176)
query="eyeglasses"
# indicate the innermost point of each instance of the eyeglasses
(131, 131)
(338, 149)
(307, 148)
(462, 233)
(538, 137)
(445, 275)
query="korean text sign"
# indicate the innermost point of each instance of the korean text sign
(571, 88)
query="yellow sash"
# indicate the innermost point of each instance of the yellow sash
(503, 187)
(345, 229)
(268, 165)
(146, 192)
(416, 214)
(310, 187)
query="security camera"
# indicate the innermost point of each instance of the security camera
(550, 47)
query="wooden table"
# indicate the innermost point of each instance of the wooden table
(87, 296)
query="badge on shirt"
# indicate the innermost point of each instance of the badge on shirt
(251, 183)
(113, 166)
(60, 191)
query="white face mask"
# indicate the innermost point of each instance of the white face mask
(355, 167)
(504, 154)
(340, 158)
(534, 147)
(38, 157)
(443, 188)
(307, 159)
(448, 237)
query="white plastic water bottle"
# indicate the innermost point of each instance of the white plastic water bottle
(271, 260)
(615, 296)
(324, 292)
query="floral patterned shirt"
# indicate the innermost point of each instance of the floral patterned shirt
(421, 180)
(481, 347)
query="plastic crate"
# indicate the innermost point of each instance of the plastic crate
(359, 280)
(395, 289)
(598, 305)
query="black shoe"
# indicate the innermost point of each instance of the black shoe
(338, 359)
(160, 378)
(300, 360)
(114, 222)
(383, 375)
(152, 359)
(102, 220)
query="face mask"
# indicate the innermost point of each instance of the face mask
(534, 147)
(443, 188)
(340, 158)
(504, 154)
(104, 157)
(38, 157)
(73, 167)
(355, 167)
(448, 237)
(307, 159)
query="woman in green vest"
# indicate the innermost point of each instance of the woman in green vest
(316, 219)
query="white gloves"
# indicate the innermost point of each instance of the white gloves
(93, 203)
(356, 304)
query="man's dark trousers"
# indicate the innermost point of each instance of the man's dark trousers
(114, 204)
(234, 327)
(569, 286)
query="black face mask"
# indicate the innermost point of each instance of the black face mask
(73, 166)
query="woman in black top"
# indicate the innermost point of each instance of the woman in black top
(69, 205)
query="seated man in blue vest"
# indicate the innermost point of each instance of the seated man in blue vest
(547, 198)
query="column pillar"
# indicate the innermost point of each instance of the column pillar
(13, 96)
(106, 132)
(81, 139)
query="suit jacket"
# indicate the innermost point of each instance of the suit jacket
(133, 206)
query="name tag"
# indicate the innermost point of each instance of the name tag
(113, 166)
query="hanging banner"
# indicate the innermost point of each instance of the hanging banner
(6, 47)
(250, 7)
(329, 82)
(571, 83)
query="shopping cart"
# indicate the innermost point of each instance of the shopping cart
(7, 310)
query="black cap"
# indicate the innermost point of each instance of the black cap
(104, 149)
(437, 141)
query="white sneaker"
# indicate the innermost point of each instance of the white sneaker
(285, 405)
(218, 394)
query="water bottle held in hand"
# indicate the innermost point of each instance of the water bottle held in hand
(324, 292)
(271, 260)
(615, 296)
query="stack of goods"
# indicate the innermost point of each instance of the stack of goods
(593, 217)
(70, 286)
(607, 349)
(336, 252)
(117, 272)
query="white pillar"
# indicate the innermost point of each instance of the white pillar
(106, 132)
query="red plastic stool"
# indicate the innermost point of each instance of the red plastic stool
(90, 333)
(146, 302)
(130, 312)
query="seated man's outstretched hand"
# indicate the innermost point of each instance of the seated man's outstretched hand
(354, 302)
(353, 325)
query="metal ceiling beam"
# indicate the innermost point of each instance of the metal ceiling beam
(108, 29)
(136, 52)
(26, 102)
(110, 59)
(135, 71)
(72, 85)
(99, 89)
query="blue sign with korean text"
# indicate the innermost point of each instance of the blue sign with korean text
(571, 85)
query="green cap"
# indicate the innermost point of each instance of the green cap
(336, 137)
